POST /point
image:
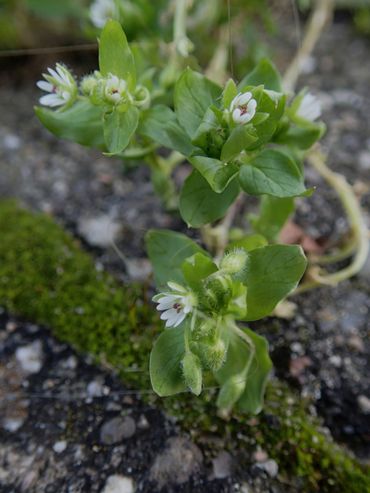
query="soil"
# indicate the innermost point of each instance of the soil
(51, 431)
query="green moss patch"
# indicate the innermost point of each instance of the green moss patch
(46, 277)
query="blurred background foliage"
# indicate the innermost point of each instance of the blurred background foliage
(33, 24)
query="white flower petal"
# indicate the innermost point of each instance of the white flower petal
(244, 98)
(252, 105)
(180, 318)
(51, 100)
(45, 86)
(168, 314)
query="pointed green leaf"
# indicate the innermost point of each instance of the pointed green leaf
(217, 173)
(115, 56)
(229, 93)
(200, 205)
(273, 214)
(82, 123)
(272, 172)
(240, 138)
(250, 387)
(165, 362)
(264, 73)
(167, 251)
(196, 268)
(160, 124)
(194, 93)
(119, 127)
(271, 273)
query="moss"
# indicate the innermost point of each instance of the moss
(46, 277)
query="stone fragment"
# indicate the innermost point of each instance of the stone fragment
(117, 429)
(177, 463)
(270, 466)
(364, 403)
(118, 484)
(30, 357)
(60, 446)
(100, 231)
(222, 465)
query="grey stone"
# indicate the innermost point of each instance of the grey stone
(60, 446)
(118, 484)
(100, 231)
(177, 463)
(117, 429)
(222, 465)
(364, 403)
(270, 466)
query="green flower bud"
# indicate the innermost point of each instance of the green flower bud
(234, 261)
(217, 292)
(88, 85)
(205, 329)
(230, 393)
(212, 355)
(192, 371)
(142, 97)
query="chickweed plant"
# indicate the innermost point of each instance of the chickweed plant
(245, 137)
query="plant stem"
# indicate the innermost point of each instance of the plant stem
(216, 238)
(356, 220)
(320, 16)
(182, 43)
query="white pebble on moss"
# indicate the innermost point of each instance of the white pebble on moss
(118, 484)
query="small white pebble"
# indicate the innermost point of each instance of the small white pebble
(364, 403)
(30, 357)
(60, 446)
(336, 360)
(118, 484)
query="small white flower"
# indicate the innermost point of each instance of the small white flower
(101, 11)
(115, 90)
(61, 85)
(176, 305)
(309, 107)
(243, 108)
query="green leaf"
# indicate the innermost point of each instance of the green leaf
(272, 172)
(302, 137)
(251, 386)
(200, 205)
(273, 214)
(167, 251)
(210, 134)
(194, 93)
(240, 138)
(229, 93)
(165, 362)
(161, 125)
(119, 127)
(264, 73)
(81, 123)
(217, 173)
(271, 273)
(248, 243)
(272, 104)
(196, 268)
(115, 56)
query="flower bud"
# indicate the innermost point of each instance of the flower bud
(192, 371)
(88, 85)
(230, 393)
(212, 355)
(205, 329)
(217, 292)
(234, 261)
